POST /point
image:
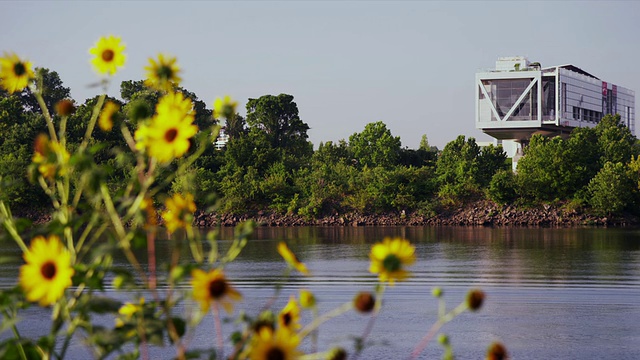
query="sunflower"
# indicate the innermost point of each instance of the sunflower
(291, 258)
(109, 55)
(14, 73)
(213, 286)
(162, 74)
(168, 135)
(50, 157)
(289, 317)
(179, 212)
(174, 100)
(47, 272)
(106, 116)
(389, 257)
(224, 107)
(281, 344)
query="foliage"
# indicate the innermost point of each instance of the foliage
(463, 168)
(502, 188)
(616, 141)
(375, 146)
(68, 261)
(611, 189)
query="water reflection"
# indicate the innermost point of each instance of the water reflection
(552, 293)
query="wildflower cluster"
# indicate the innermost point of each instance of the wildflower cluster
(67, 263)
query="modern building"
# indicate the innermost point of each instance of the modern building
(519, 99)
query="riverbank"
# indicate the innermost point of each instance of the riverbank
(482, 213)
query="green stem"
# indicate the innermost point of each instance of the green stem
(16, 333)
(324, 318)
(436, 327)
(92, 123)
(124, 239)
(10, 226)
(45, 112)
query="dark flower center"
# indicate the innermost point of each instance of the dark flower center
(217, 288)
(286, 318)
(108, 55)
(165, 72)
(275, 354)
(48, 270)
(171, 135)
(19, 69)
(391, 263)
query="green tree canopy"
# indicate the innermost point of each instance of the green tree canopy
(375, 146)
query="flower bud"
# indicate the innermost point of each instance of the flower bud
(65, 107)
(337, 354)
(497, 351)
(443, 339)
(307, 299)
(364, 302)
(139, 110)
(474, 299)
(437, 292)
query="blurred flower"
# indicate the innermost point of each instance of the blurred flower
(307, 299)
(47, 272)
(364, 302)
(179, 212)
(337, 354)
(168, 134)
(14, 73)
(475, 298)
(65, 107)
(389, 257)
(128, 310)
(149, 211)
(291, 258)
(109, 55)
(141, 136)
(175, 101)
(213, 286)
(50, 157)
(268, 345)
(289, 317)
(106, 116)
(224, 107)
(162, 74)
(497, 351)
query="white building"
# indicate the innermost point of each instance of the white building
(222, 139)
(519, 99)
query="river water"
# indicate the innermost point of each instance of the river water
(551, 293)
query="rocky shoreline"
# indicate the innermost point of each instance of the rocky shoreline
(482, 213)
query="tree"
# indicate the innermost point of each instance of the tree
(616, 141)
(375, 146)
(52, 89)
(424, 143)
(491, 160)
(541, 172)
(457, 169)
(611, 189)
(235, 126)
(276, 119)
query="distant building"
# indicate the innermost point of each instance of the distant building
(222, 139)
(519, 99)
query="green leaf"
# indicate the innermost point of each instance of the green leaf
(103, 305)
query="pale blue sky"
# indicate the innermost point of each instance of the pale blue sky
(411, 64)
